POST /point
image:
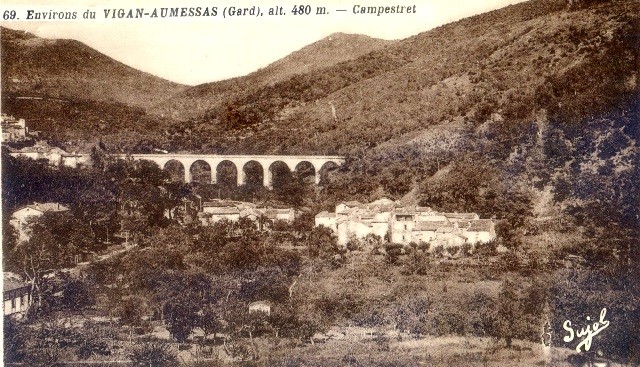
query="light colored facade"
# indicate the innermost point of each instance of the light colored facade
(16, 295)
(348, 229)
(20, 218)
(13, 130)
(480, 230)
(212, 214)
(405, 224)
(54, 155)
(274, 214)
(260, 306)
(217, 210)
(328, 220)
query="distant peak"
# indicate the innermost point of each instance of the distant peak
(12, 33)
(341, 35)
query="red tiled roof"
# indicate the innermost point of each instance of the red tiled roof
(430, 225)
(11, 283)
(480, 225)
(468, 216)
(48, 207)
(224, 210)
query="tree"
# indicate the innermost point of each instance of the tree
(130, 310)
(393, 252)
(209, 320)
(13, 340)
(54, 239)
(510, 321)
(322, 243)
(180, 315)
(76, 295)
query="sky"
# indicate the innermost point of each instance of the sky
(199, 50)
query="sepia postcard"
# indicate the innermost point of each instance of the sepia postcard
(245, 183)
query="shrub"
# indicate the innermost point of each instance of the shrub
(438, 251)
(453, 250)
(467, 248)
(424, 246)
(509, 261)
(354, 244)
(393, 251)
(153, 354)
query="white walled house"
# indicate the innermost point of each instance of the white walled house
(214, 214)
(327, 219)
(288, 215)
(21, 217)
(348, 229)
(346, 206)
(402, 225)
(217, 210)
(480, 230)
(260, 306)
(16, 295)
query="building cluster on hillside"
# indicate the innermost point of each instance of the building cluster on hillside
(217, 210)
(53, 155)
(13, 130)
(405, 224)
(16, 130)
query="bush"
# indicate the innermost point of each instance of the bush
(438, 251)
(424, 246)
(466, 249)
(454, 250)
(509, 261)
(354, 244)
(153, 354)
(393, 251)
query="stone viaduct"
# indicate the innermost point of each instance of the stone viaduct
(267, 162)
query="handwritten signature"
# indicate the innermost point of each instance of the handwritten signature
(588, 333)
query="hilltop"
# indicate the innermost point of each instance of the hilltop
(329, 51)
(68, 69)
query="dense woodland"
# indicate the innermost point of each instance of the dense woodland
(187, 277)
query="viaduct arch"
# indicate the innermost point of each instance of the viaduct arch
(240, 161)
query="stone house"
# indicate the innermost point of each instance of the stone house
(354, 228)
(20, 218)
(212, 214)
(13, 130)
(405, 224)
(273, 214)
(328, 220)
(480, 230)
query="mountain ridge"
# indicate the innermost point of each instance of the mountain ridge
(328, 51)
(67, 68)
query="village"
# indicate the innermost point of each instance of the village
(384, 220)
(400, 224)
(395, 235)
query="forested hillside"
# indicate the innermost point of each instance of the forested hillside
(329, 51)
(68, 69)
